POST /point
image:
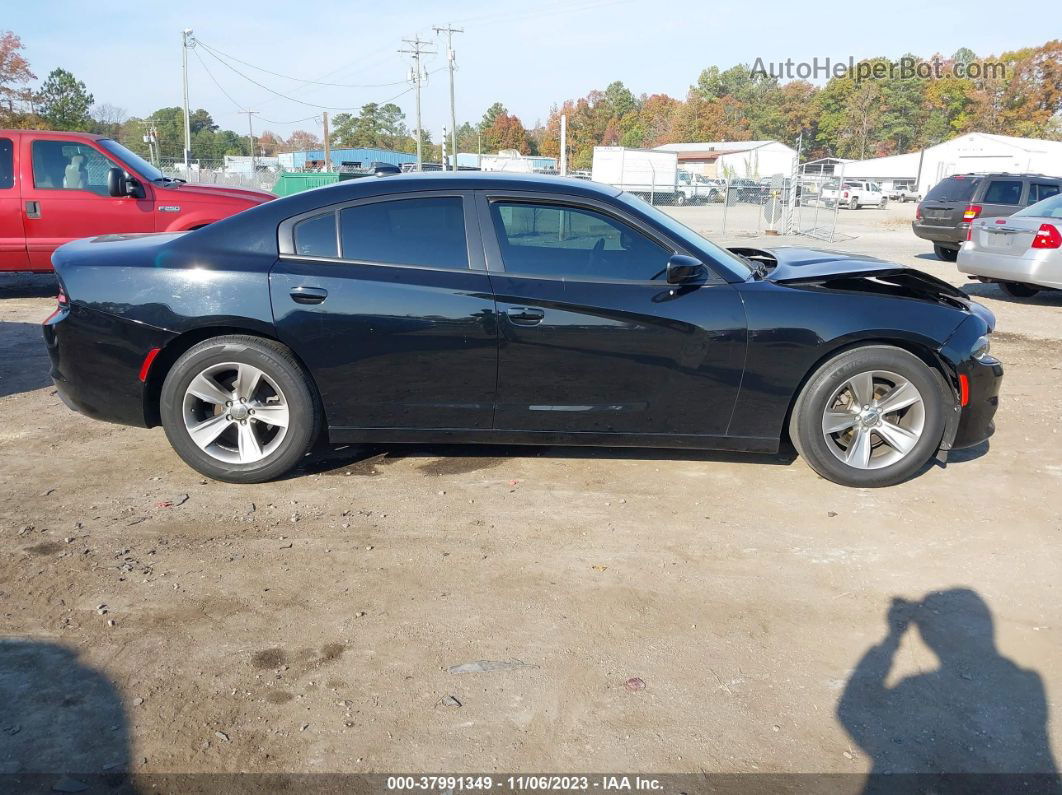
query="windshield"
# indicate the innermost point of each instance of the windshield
(133, 160)
(680, 230)
(1048, 208)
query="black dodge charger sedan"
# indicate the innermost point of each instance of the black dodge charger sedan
(505, 309)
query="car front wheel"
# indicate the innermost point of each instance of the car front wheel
(869, 417)
(240, 409)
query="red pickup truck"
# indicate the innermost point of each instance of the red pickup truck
(59, 186)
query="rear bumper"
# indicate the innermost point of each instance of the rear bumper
(1041, 267)
(96, 360)
(952, 235)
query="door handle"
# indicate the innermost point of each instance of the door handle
(308, 295)
(33, 209)
(525, 315)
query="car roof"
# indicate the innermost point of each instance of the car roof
(82, 135)
(472, 180)
(970, 174)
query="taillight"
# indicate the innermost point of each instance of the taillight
(61, 299)
(971, 212)
(846, 194)
(969, 232)
(918, 211)
(61, 303)
(1047, 236)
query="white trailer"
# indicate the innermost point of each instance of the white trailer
(647, 172)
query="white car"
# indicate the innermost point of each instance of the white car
(1021, 252)
(903, 194)
(854, 193)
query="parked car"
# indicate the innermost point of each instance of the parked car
(512, 309)
(944, 216)
(60, 186)
(903, 194)
(854, 194)
(696, 189)
(1022, 253)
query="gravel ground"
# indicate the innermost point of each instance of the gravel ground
(157, 622)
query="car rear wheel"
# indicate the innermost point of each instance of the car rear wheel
(1018, 289)
(240, 409)
(853, 203)
(945, 253)
(870, 417)
(884, 202)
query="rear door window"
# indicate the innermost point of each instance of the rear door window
(7, 164)
(316, 237)
(1003, 191)
(429, 232)
(953, 189)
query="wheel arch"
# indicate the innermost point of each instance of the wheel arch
(175, 348)
(923, 351)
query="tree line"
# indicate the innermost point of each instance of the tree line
(849, 116)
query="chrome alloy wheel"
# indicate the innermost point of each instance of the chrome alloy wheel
(873, 419)
(235, 413)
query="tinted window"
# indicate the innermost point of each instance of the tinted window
(1003, 191)
(7, 164)
(61, 165)
(406, 232)
(1038, 191)
(549, 240)
(953, 189)
(1048, 208)
(316, 237)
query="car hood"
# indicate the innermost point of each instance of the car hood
(192, 192)
(847, 272)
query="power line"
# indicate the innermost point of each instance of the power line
(418, 77)
(216, 52)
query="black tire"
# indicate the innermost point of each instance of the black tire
(805, 424)
(680, 199)
(884, 203)
(1019, 289)
(945, 253)
(853, 203)
(278, 363)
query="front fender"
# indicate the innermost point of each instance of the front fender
(188, 221)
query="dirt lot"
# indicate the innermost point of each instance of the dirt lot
(155, 621)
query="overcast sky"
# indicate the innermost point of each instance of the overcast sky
(527, 55)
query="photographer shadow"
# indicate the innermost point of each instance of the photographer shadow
(969, 725)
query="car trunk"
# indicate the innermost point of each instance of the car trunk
(945, 203)
(1006, 236)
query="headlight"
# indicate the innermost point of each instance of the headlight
(981, 348)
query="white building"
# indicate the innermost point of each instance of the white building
(968, 153)
(734, 159)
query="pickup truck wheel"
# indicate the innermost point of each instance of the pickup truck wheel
(680, 199)
(871, 416)
(945, 253)
(884, 202)
(1018, 289)
(240, 409)
(853, 203)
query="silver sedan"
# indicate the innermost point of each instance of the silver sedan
(1022, 252)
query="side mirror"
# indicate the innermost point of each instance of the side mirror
(119, 185)
(683, 270)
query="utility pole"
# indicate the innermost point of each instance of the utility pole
(327, 143)
(450, 30)
(417, 76)
(250, 133)
(444, 150)
(564, 145)
(187, 42)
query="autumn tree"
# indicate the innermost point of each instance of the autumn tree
(15, 76)
(64, 102)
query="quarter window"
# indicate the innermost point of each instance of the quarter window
(7, 164)
(1003, 191)
(427, 231)
(61, 165)
(316, 237)
(1038, 191)
(553, 240)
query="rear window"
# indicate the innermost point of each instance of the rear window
(1048, 208)
(1038, 191)
(1003, 191)
(953, 189)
